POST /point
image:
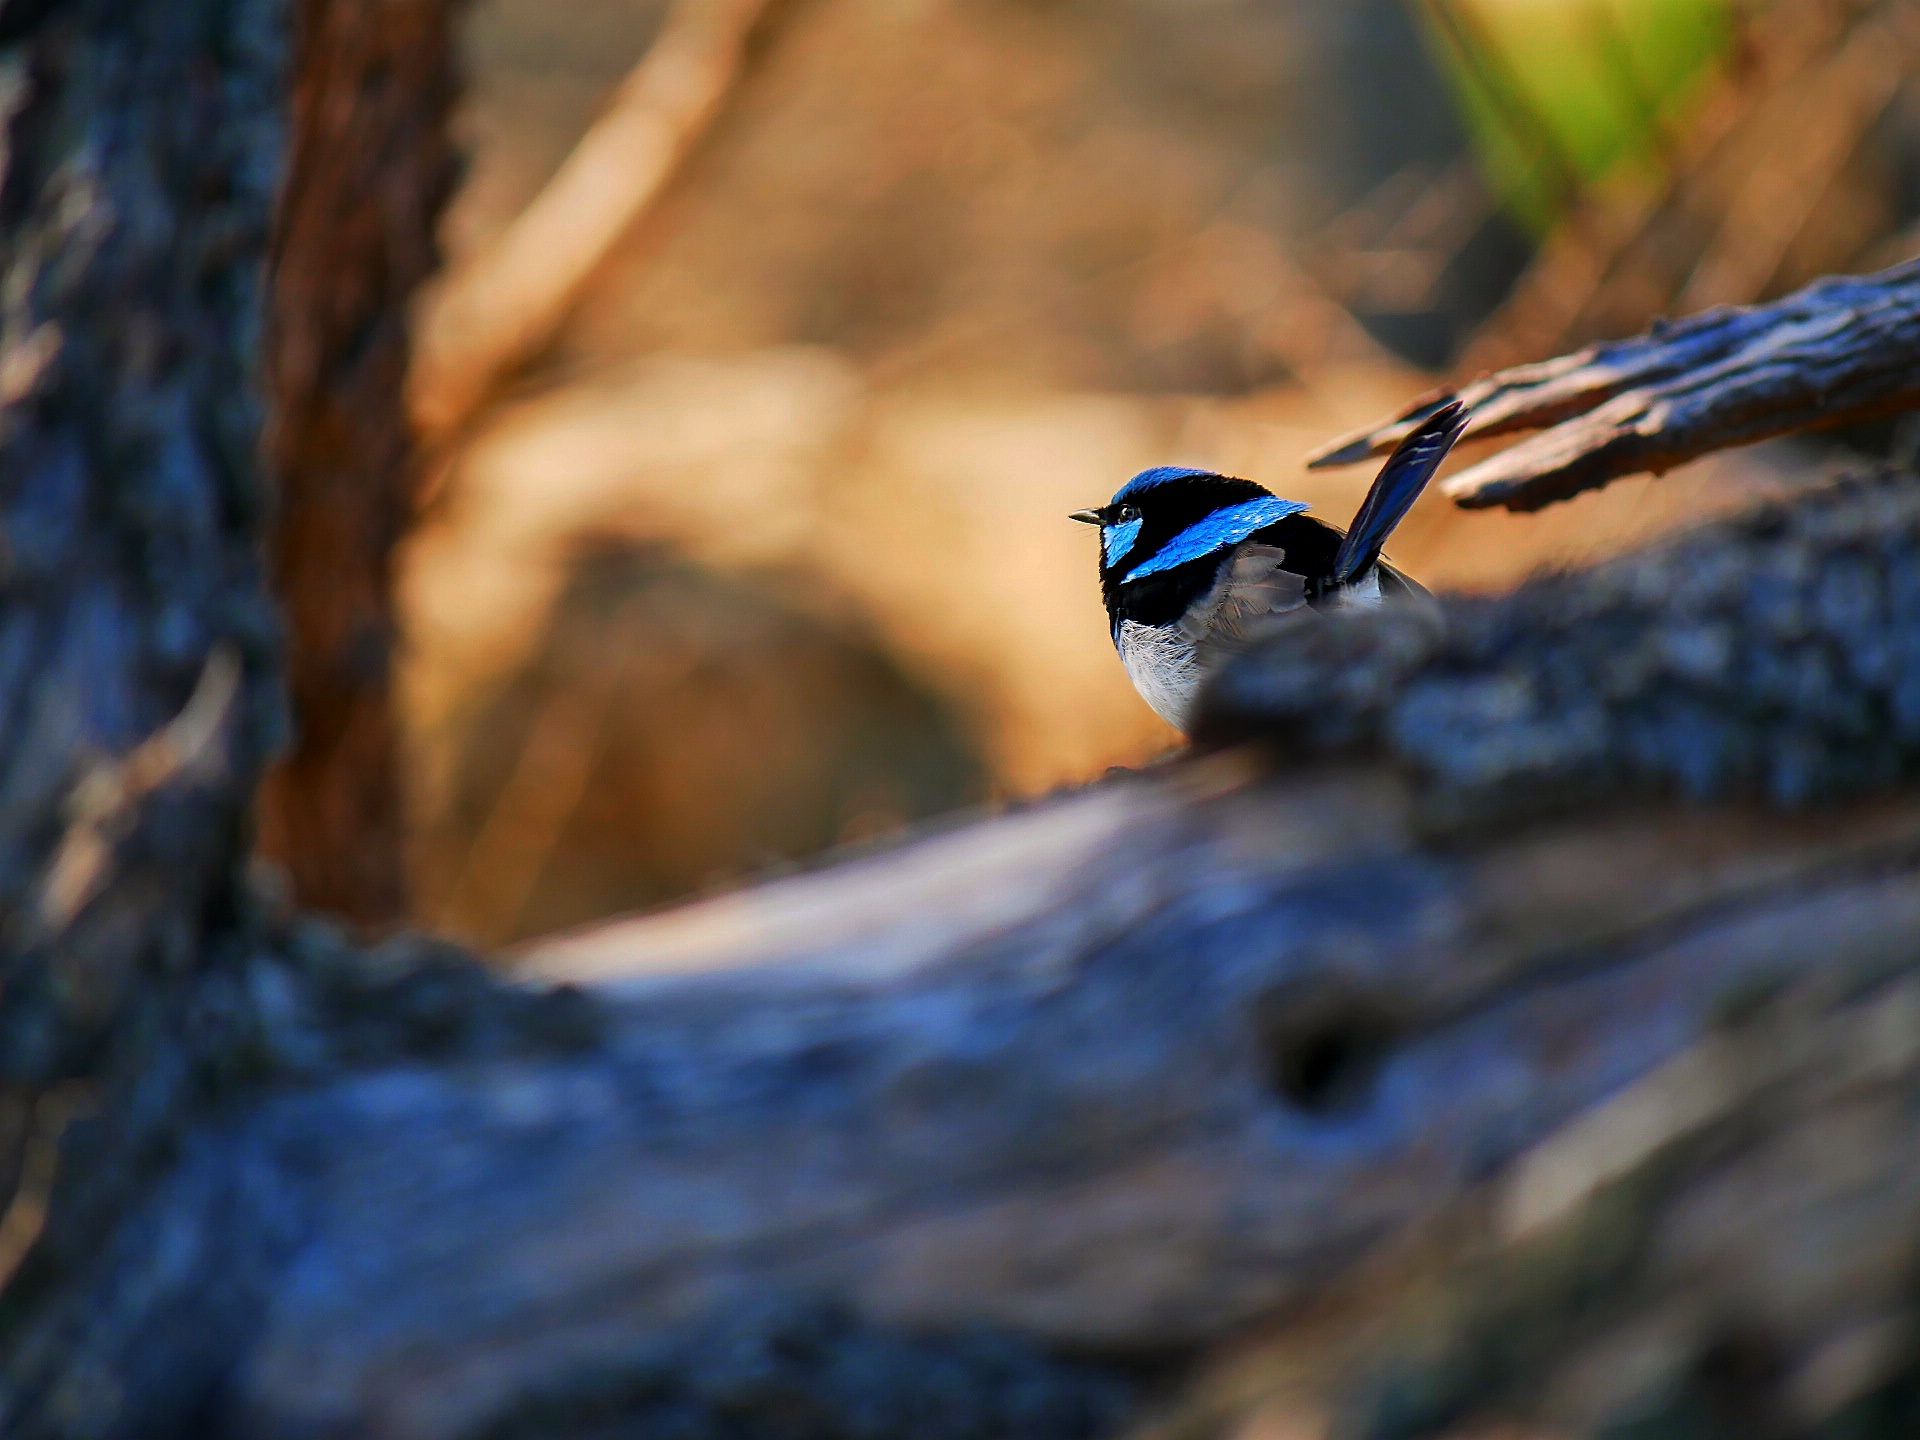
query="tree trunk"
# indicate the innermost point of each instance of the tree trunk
(1424, 1058)
(141, 654)
(368, 169)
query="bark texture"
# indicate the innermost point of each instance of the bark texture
(1766, 657)
(139, 653)
(369, 168)
(138, 647)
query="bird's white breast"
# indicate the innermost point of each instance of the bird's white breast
(1168, 664)
(1165, 668)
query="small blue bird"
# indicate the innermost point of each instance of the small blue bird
(1193, 565)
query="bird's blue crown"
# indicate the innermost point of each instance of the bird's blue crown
(1159, 475)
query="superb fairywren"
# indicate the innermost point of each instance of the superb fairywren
(1193, 565)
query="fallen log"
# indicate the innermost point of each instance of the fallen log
(997, 1130)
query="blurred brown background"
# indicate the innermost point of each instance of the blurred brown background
(762, 547)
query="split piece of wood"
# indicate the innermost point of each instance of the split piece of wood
(1839, 351)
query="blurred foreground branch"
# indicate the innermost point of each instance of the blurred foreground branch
(1842, 350)
(502, 305)
(994, 1132)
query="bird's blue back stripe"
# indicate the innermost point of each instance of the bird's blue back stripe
(1159, 475)
(1116, 540)
(1218, 531)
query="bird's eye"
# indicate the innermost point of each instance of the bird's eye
(1129, 513)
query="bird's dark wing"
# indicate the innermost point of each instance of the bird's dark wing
(1396, 487)
(1255, 590)
(1257, 594)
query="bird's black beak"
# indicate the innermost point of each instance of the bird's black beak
(1086, 517)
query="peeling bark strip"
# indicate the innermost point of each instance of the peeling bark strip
(369, 170)
(1842, 350)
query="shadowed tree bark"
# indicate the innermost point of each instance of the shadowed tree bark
(368, 168)
(1527, 1029)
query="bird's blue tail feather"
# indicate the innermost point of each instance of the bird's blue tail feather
(1397, 486)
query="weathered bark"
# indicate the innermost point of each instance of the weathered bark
(1840, 351)
(138, 649)
(1558, 963)
(143, 148)
(368, 169)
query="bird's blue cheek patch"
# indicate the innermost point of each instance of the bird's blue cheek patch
(1116, 540)
(1218, 531)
